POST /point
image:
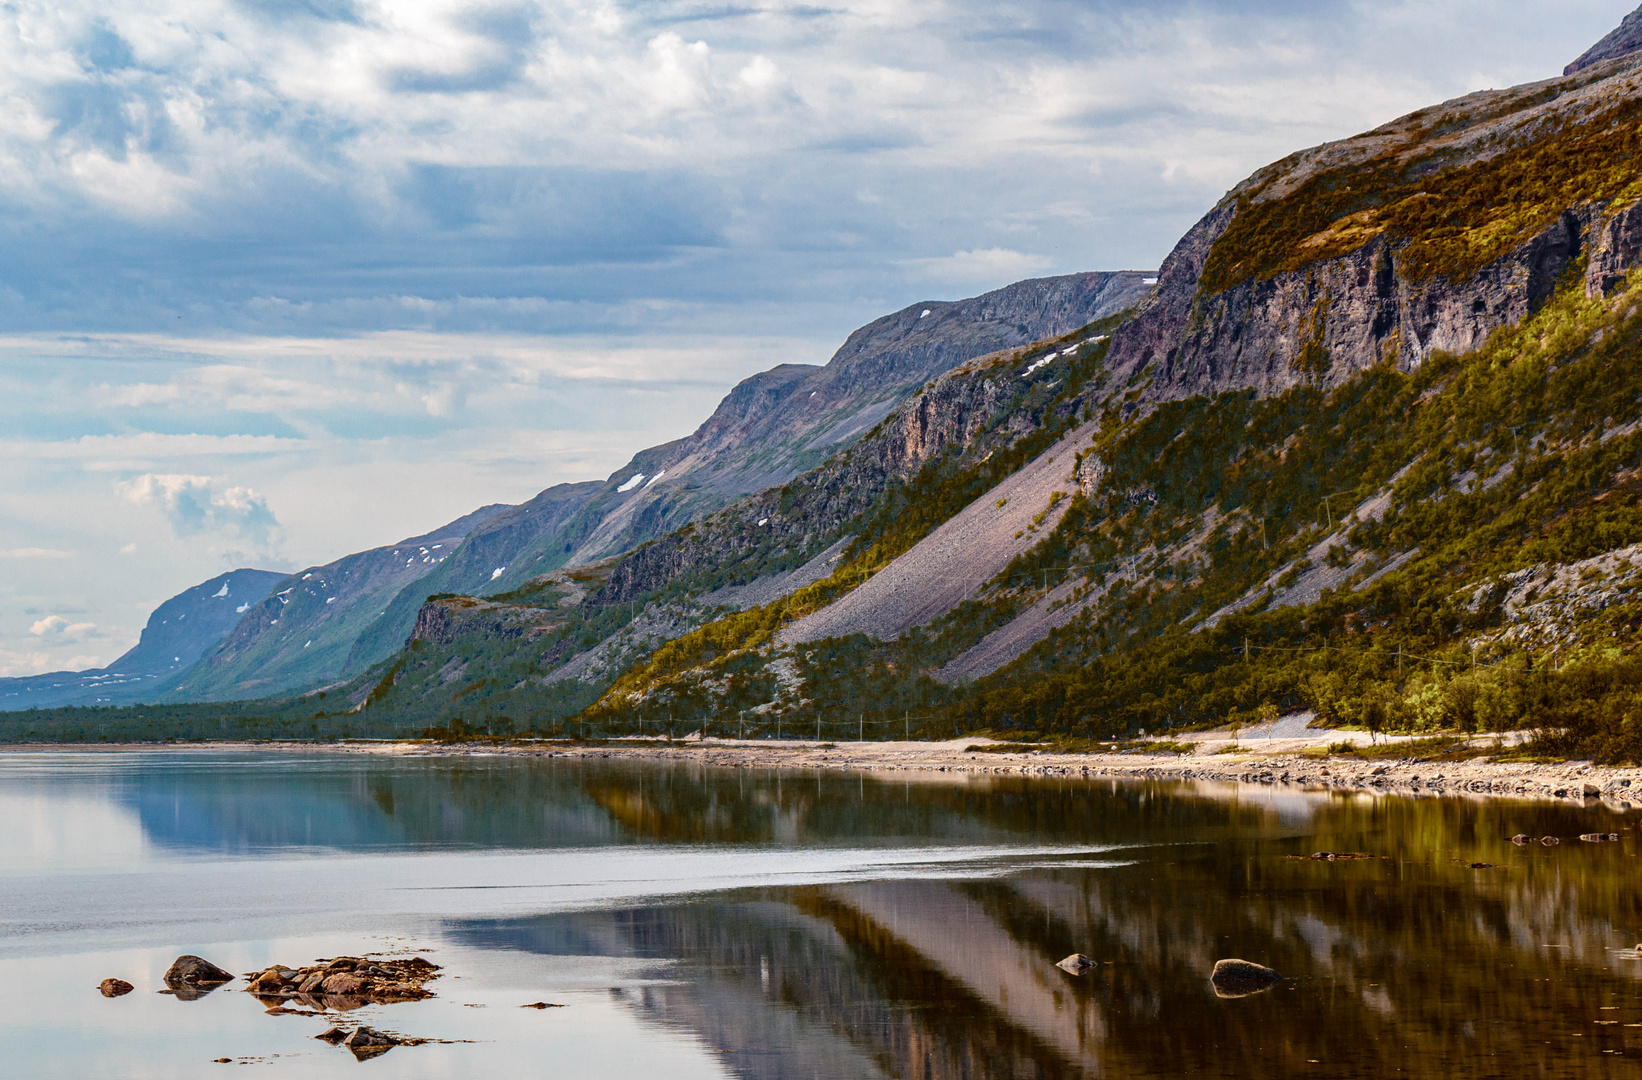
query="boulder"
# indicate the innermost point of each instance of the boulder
(1590, 791)
(1078, 964)
(343, 982)
(312, 984)
(1520, 839)
(1550, 841)
(1241, 978)
(112, 988)
(1593, 837)
(368, 1043)
(271, 981)
(190, 977)
(333, 1036)
(367, 1036)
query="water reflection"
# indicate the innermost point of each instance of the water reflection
(1414, 961)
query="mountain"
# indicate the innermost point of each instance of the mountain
(1372, 449)
(303, 631)
(769, 429)
(1624, 41)
(179, 632)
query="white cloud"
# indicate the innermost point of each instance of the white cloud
(977, 267)
(60, 629)
(200, 504)
(35, 553)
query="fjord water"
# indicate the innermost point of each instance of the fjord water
(696, 922)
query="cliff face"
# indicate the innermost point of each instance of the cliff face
(981, 408)
(1625, 40)
(1430, 233)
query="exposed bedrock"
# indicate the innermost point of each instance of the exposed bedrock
(1335, 318)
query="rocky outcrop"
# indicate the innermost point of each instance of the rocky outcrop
(1623, 41)
(1209, 328)
(113, 988)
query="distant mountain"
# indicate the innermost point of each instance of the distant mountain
(1622, 42)
(302, 632)
(179, 632)
(769, 429)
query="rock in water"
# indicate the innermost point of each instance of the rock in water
(1519, 839)
(333, 1036)
(1077, 964)
(367, 1042)
(1241, 978)
(189, 977)
(115, 987)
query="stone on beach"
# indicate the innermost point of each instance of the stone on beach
(1241, 978)
(113, 988)
(1077, 964)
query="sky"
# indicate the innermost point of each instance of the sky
(286, 279)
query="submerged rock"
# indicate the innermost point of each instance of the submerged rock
(1078, 964)
(1241, 978)
(367, 1042)
(112, 988)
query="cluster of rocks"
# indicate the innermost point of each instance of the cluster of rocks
(344, 983)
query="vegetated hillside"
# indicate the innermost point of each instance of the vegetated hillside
(541, 653)
(178, 633)
(770, 428)
(1373, 449)
(304, 631)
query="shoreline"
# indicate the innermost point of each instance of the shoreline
(1280, 762)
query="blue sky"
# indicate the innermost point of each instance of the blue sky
(282, 280)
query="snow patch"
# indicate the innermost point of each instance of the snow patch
(656, 477)
(220, 593)
(763, 522)
(242, 609)
(1148, 281)
(925, 315)
(638, 478)
(330, 599)
(1040, 363)
(496, 573)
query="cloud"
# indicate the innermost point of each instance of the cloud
(199, 504)
(57, 628)
(35, 553)
(976, 267)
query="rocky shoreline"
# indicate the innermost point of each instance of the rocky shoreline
(1283, 763)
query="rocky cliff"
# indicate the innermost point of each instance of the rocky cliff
(1624, 41)
(1428, 234)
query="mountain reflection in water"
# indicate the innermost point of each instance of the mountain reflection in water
(1414, 962)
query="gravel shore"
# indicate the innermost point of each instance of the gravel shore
(1278, 762)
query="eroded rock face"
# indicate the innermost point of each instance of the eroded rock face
(1207, 330)
(1241, 978)
(1625, 40)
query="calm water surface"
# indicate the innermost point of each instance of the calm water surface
(733, 923)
